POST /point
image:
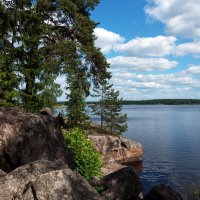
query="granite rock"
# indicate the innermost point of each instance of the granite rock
(26, 137)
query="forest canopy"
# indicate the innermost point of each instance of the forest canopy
(41, 40)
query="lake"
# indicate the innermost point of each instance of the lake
(170, 136)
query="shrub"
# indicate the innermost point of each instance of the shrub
(87, 159)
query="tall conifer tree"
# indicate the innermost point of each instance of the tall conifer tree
(109, 109)
(43, 38)
(115, 121)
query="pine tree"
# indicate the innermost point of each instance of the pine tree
(98, 108)
(115, 121)
(109, 109)
(8, 79)
(23, 33)
(43, 39)
(76, 105)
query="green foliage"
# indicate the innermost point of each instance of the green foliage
(99, 109)
(8, 80)
(115, 121)
(87, 158)
(28, 52)
(76, 113)
(109, 109)
(40, 41)
(6, 104)
(76, 105)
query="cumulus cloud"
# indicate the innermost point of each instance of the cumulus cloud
(150, 46)
(143, 64)
(107, 39)
(194, 70)
(181, 17)
(159, 46)
(182, 84)
(187, 48)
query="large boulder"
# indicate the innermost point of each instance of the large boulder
(117, 149)
(123, 184)
(162, 192)
(42, 180)
(26, 137)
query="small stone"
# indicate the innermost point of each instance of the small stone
(46, 111)
(2, 173)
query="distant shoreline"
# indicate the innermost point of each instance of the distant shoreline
(150, 102)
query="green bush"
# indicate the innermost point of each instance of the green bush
(87, 159)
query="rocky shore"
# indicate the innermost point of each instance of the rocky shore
(116, 151)
(35, 163)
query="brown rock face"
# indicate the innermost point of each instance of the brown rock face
(162, 192)
(117, 149)
(46, 111)
(123, 184)
(2, 173)
(26, 137)
(43, 180)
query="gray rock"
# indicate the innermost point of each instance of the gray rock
(26, 137)
(96, 181)
(162, 192)
(117, 149)
(123, 184)
(43, 180)
(46, 111)
(2, 173)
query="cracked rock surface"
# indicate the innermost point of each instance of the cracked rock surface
(43, 179)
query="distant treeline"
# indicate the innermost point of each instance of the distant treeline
(163, 102)
(153, 102)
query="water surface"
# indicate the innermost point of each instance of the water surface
(170, 136)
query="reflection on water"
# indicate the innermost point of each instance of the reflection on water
(136, 165)
(170, 137)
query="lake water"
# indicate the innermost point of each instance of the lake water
(170, 136)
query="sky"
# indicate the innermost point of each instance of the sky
(153, 47)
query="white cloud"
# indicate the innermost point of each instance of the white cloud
(144, 64)
(158, 46)
(182, 84)
(106, 39)
(181, 17)
(187, 48)
(149, 46)
(194, 70)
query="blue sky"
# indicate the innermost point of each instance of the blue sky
(153, 46)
